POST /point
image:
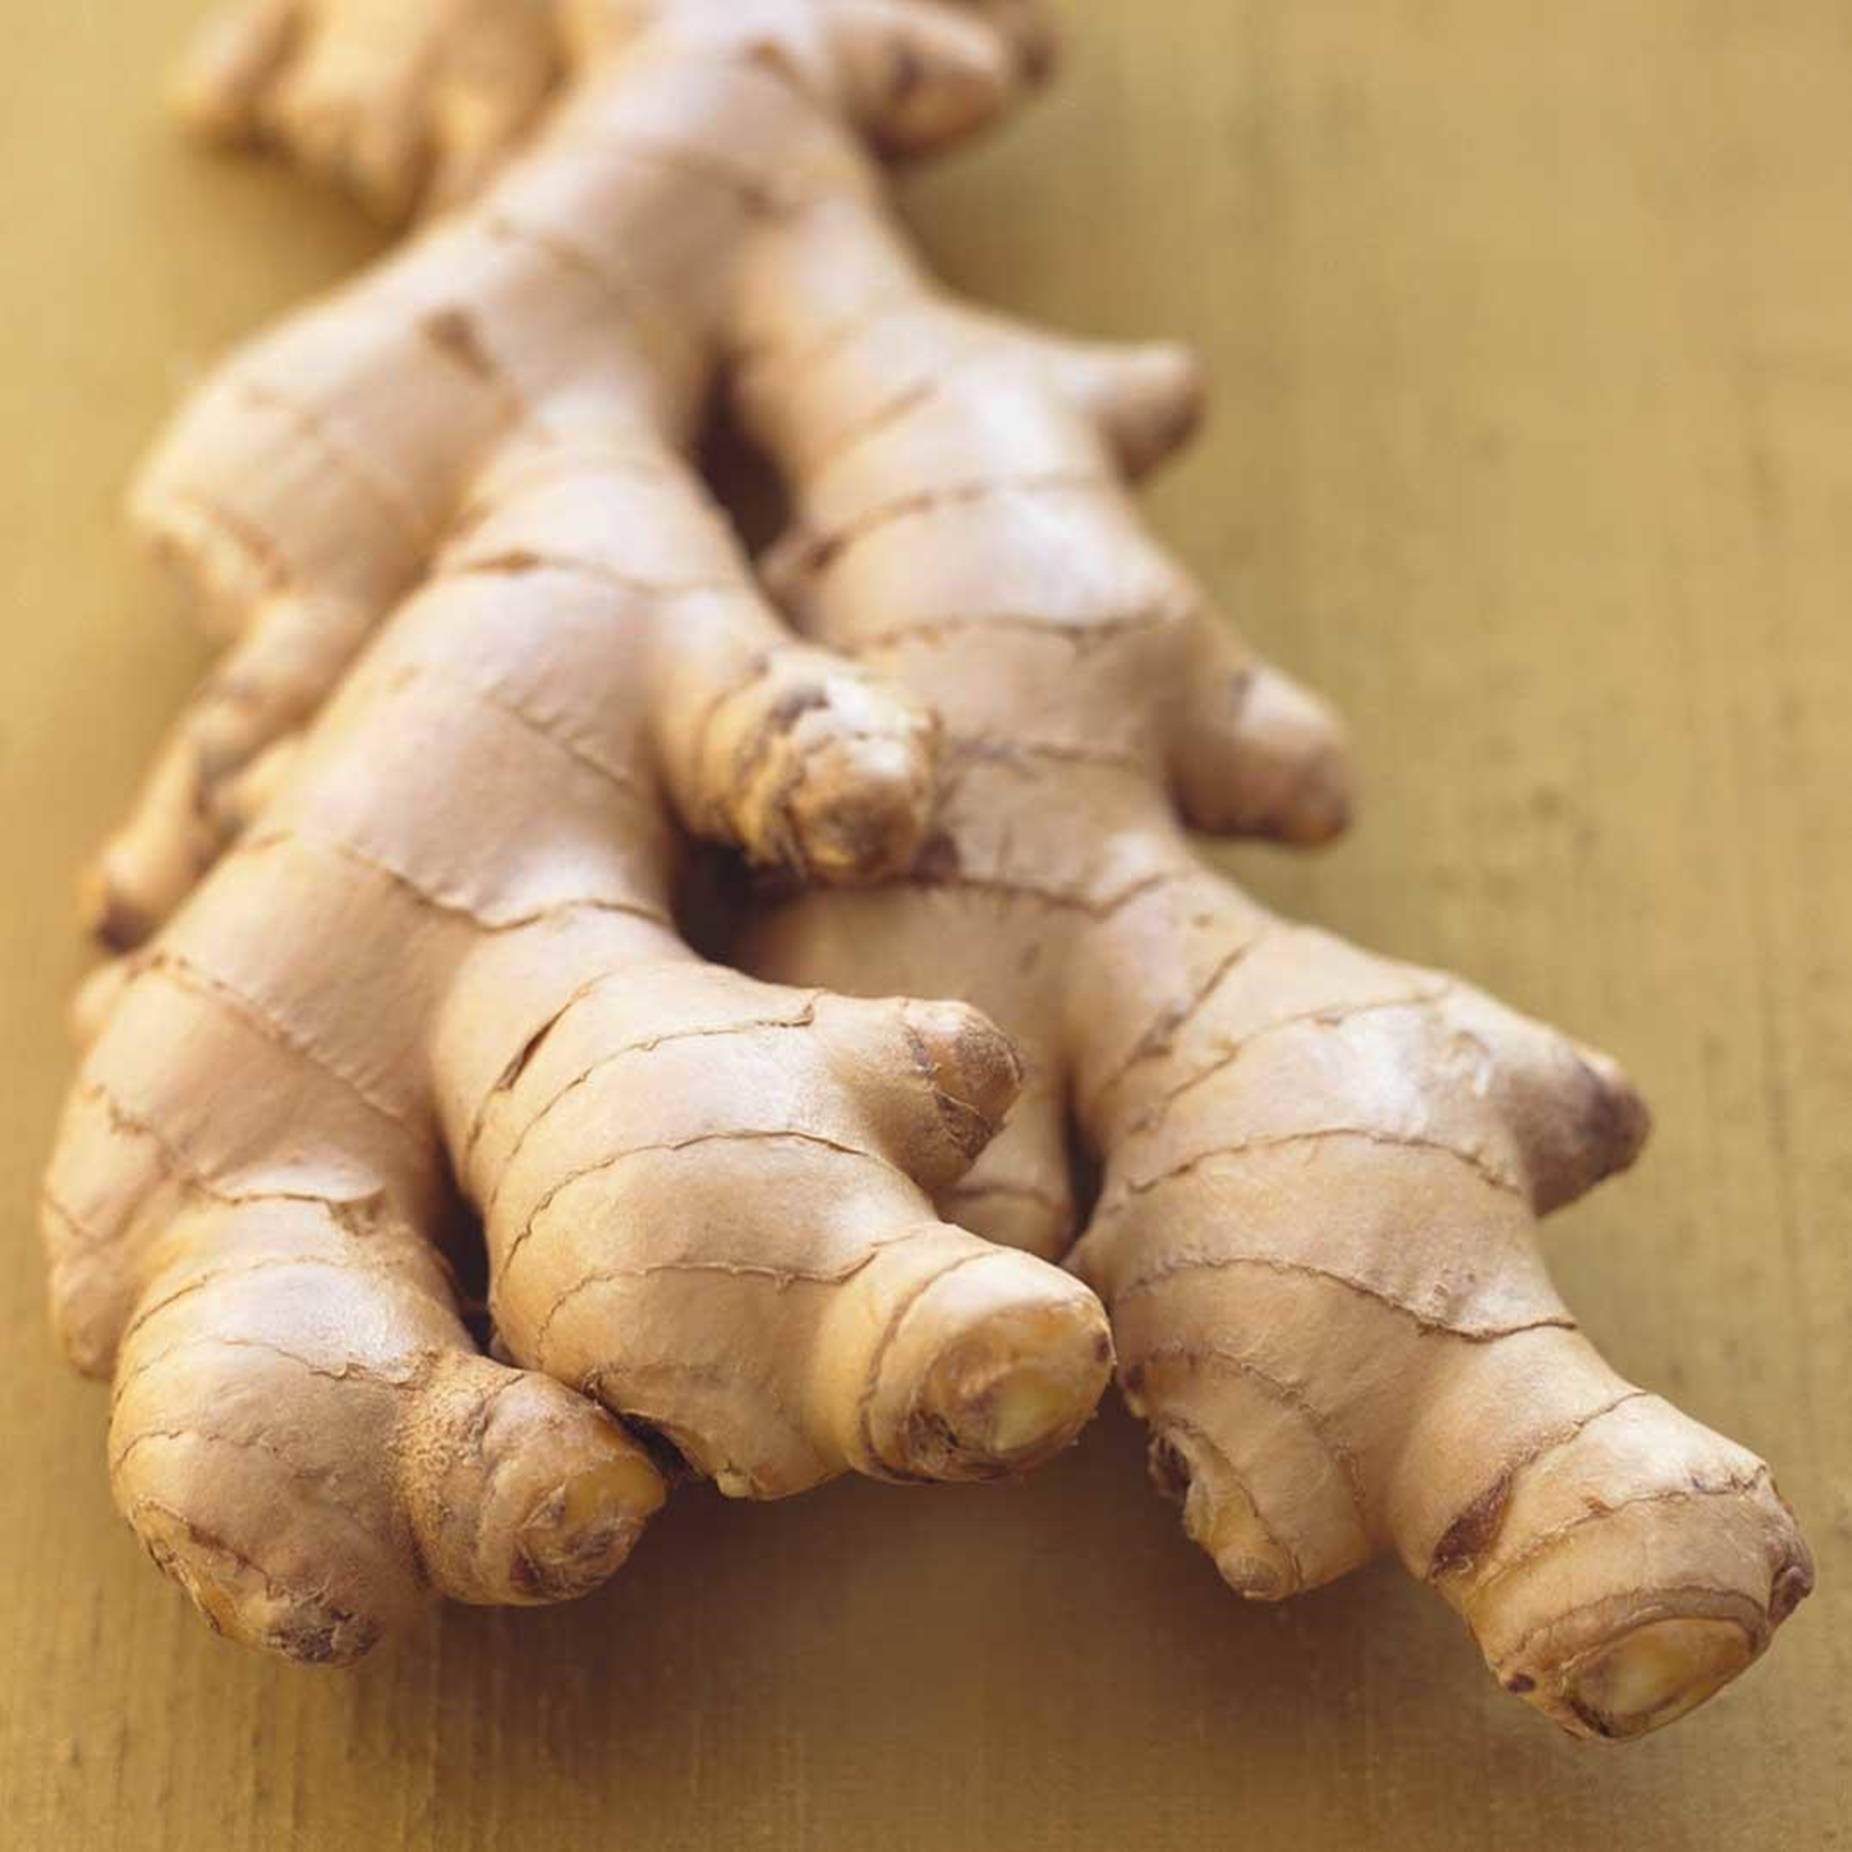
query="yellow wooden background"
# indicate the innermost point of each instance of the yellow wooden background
(1533, 333)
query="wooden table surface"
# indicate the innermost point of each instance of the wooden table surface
(1533, 334)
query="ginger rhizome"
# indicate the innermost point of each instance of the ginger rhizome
(410, 103)
(400, 902)
(309, 486)
(1321, 1171)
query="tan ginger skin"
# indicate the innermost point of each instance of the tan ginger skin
(1321, 1172)
(412, 103)
(442, 946)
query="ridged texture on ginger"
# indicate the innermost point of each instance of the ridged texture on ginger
(1321, 1172)
(400, 903)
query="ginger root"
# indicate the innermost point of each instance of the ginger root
(308, 487)
(410, 104)
(400, 898)
(1321, 1171)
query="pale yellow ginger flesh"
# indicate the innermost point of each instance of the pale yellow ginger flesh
(1321, 1171)
(489, 638)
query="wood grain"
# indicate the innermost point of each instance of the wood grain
(1533, 331)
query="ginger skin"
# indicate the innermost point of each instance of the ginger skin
(409, 104)
(493, 644)
(306, 490)
(1321, 1171)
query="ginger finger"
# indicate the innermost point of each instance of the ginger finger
(316, 477)
(412, 105)
(301, 1431)
(1321, 1171)
(408, 104)
(313, 480)
(306, 1441)
(459, 490)
(233, 61)
(462, 874)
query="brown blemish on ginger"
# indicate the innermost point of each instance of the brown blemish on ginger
(1473, 1532)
